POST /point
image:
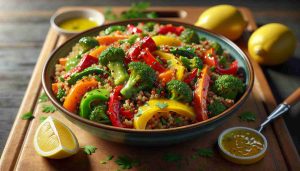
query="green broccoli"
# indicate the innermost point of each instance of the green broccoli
(98, 114)
(112, 29)
(190, 64)
(189, 36)
(113, 58)
(216, 107)
(179, 91)
(228, 86)
(149, 26)
(217, 47)
(183, 51)
(88, 43)
(142, 77)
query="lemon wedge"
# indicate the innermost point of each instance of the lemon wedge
(55, 140)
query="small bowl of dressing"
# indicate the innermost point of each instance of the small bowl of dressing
(242, 145)
(71, 22)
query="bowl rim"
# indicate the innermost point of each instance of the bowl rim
(155, 131)
(96, 14)
(262, 152)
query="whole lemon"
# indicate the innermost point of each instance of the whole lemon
(223, 19)
(272, 44)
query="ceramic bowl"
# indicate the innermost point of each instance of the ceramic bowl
(242, 160)
(148, 137)
(59, 17)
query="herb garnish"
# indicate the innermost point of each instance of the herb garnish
(48, 108)
(43, 118)
(89, 149)
(172, 157)
(27, 116)
(108, 158)
(137, 10)
(126, 162)
(43, 97)
(248, 116)
(205, 152)
(161, 105)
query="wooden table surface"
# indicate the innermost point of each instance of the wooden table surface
(24, 25)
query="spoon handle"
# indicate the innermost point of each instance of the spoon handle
(282, 108)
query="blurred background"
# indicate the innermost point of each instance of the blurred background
(24, 25)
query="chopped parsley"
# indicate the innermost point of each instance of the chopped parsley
(43, 118)
(43, 98)
(161, 105)
(126, 162)
(172, 157)
(60, 93)
(248, 116)
(48, 108)
(205, 152)
(163, 121)
(177, 121)
(89, 149)
(139, 113)
(108, 158)
(27, 116)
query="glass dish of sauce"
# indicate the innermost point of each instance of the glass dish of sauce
(78, 24)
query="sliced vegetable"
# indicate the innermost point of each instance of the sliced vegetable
(126, 113)
(108, 40)
(166, 40)
(189, 36)
(98, 114)
(72, 62)
(112, 29)
(200, 94)
(191, 77)
(88, 43)
(149, 110)
(84, 63)
(91, 70)
(166, 76)
(170, 29)
(184, 51)
(150, 60)
(232, 70)
(90, 98)
(179, 91)
(75, 94)
(114, 107)
(135, 50)
(97, 51)
(133, 29)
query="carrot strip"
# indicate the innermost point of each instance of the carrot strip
(107, 40)
(96, 52)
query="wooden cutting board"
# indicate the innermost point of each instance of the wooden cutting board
(19, 153)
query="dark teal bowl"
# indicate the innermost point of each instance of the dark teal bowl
(148, 137)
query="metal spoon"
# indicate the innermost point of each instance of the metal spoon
(279, 110)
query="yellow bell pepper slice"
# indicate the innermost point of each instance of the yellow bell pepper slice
(146, 112)
(175, 64)
(166, 40)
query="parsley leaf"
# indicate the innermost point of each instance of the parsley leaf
(89, 149)
(27, 116)
(125, 162)
(43, 118)
(48, 108)
(248, 116)
(205, 152)
(43, 98)
(172, 157)
(139, 113)
(108, 158)
(161, 105)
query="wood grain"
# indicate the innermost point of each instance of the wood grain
(276, 158)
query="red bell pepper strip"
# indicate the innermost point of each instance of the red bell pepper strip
(231, 70)
(114, 107)
(191, 76)
(151, 61)
(170, 29)
(84, 63)
(209, 57)
(135, 50)
(200, 95)
(133, 30)
(126, 113)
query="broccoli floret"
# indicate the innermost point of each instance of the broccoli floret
(142, 77)
(113, 29)
(98, 114)
(217, 47)
(149, 26)
(189, 36)
(216, 107)
(228, 86)
(190, 64)
(179, 91)
(88, 43)
(113, 58)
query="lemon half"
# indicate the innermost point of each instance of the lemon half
(55, 140)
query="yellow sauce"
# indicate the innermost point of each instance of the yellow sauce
(78, 24)
(242, 143)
